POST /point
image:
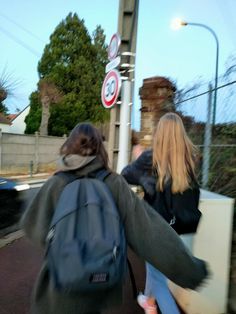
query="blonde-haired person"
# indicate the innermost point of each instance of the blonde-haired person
(167, 175)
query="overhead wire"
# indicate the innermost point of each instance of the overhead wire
(22, 27)
(20, 42)
(11, 105)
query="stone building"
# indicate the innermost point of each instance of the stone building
(156, 94)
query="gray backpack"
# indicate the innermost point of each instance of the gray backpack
(86, 245)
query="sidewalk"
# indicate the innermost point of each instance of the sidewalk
(20, 262)
(10, 237)
(19, 265)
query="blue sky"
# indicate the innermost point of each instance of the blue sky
(184, 55)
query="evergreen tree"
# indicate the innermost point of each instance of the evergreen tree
(33, 118)
(97, 112)
(75, 62)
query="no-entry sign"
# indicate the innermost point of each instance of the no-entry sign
(111, 88)
(114, 46)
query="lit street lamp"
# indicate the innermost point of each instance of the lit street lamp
(176, 24)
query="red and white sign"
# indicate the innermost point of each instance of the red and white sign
(114, 46)
(111, 88)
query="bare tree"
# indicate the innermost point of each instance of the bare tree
(186, 92)
(230, 72)
(49, 94)
(8, 84)
(3, 92)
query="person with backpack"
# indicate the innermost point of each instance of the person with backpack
(70, 282)
(167, 175)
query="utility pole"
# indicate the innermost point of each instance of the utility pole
(127, 29)
(207, 141)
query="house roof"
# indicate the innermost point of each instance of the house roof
(12, 116)
(4, 119)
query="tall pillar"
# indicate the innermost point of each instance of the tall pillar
(156, 94)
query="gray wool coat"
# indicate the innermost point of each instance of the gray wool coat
(148, 235)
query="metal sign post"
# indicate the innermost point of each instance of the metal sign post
(123, 155)
(127, 28)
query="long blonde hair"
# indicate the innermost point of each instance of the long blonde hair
(173, 154)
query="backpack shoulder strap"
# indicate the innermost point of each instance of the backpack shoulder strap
(102, 174)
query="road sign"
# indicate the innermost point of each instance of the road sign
(111, 88)
(113, 64)
(114, 46)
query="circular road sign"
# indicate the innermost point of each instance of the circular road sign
(111, 88)
(114, 46)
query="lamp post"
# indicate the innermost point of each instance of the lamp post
(176, 24)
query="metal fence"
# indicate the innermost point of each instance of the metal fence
(217, 142)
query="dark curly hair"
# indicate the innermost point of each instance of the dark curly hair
(85, 140)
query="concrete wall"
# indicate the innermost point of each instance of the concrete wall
(21, 153)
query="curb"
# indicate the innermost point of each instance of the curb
(11, 237)
(36, 181)
(43, 174)
(26, 179)
(30, 181)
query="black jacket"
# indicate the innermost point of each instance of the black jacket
(140, 172)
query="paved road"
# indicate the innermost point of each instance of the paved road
(19, 265)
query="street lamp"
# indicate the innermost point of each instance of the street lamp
(176, 24)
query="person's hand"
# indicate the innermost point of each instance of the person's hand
(208, 277)
(137, 151)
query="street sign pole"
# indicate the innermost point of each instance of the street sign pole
(124, 134)
(127, 28)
